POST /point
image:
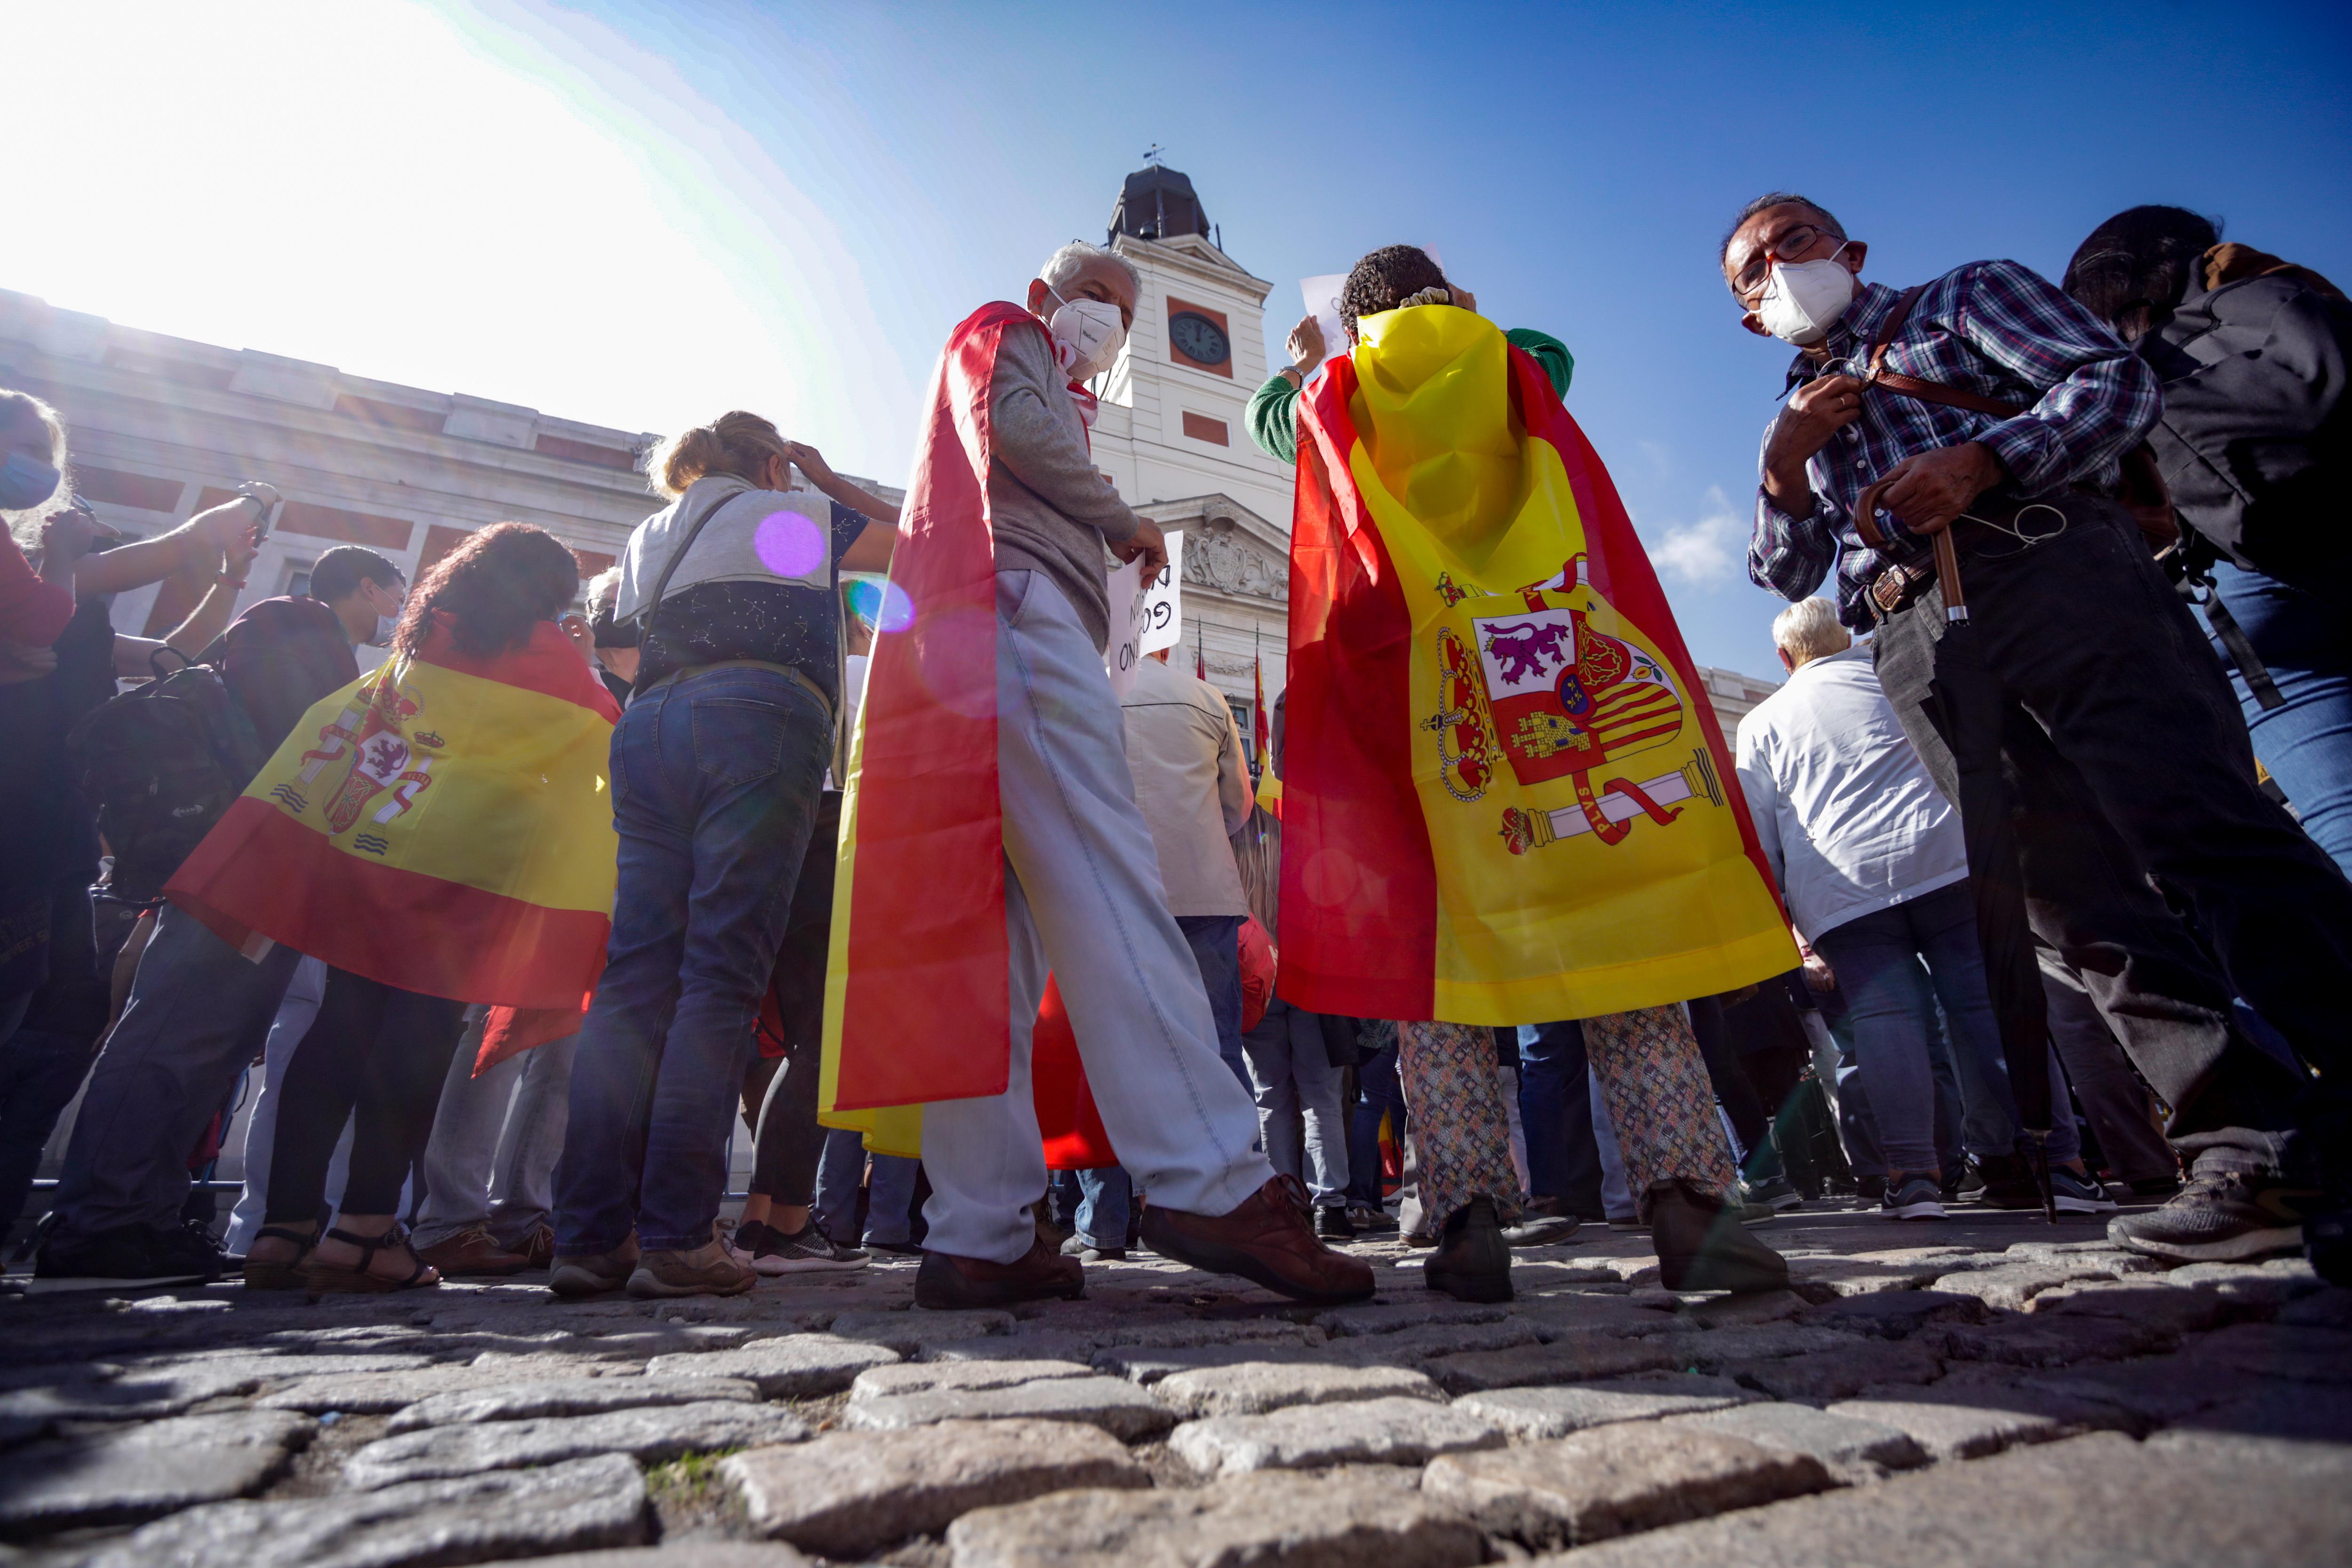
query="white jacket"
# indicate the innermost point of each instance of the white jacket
(1846, 811)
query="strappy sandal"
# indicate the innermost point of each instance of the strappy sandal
(285, 1273)
(356, 1279)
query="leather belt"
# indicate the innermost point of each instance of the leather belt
(1990, 517)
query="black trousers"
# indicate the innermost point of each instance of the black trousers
(2086, 731)
(375, 1056)
(780, 1094)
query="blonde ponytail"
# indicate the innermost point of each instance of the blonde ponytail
(735, 443)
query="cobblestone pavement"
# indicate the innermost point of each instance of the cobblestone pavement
(1989, 1389)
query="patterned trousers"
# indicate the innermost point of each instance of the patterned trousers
(1651, 1074)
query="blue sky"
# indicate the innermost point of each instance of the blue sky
(639, 214)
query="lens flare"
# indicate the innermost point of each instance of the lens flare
(789, 544)
(882, 606)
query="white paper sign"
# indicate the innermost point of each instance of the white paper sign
(1164, 601)
(1322, 296)
(1126, 649)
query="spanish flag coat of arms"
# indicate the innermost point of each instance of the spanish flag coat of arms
(1505, 797)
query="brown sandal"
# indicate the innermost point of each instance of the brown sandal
(284, 1274)
(356, 1279)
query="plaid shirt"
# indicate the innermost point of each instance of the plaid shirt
(1992, 328)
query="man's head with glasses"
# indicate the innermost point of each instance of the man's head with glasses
(1786, 230)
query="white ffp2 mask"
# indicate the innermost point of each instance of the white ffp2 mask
(1088, 334)
(1803, 299)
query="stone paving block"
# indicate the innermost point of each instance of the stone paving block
(848, 1494)
(1594, 1485)
(1895, 1314)
(2269, 1284)
(1554, 1316)
(1843, 1443)
(2099, 1500)
(1268, 1519)
(2008, 1286)
(381, 1392)
(1393, 1431)
(1963, 1424)
(2269, 1350)
(131, 1397)
(1113, 1404)
(570, 1507)
(908, 1333)
(1253, 1388)
(789, 1367)
(1408, 1312)
(959, 1376)
(1839, 1374)
(2052, 1339)
(2154, 1391)
(692, 1552)
(650, 1435)
(1571, 1358)
(1050, 1344)
(136, 1471)
(1744, 1311)
(2267, 1410)
(1413, 1347)
(270, 1370)
(2327, 1309)
(565, 1397)
(1149, 1363)
(1855, 1277)
(1531, 1413)
(2175, 1312)
(1768, 1340)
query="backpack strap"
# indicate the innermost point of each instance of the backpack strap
(661, 583)
(1918, 387)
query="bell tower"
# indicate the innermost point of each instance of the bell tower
(1172, 427)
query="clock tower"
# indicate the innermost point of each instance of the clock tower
(1173, 437)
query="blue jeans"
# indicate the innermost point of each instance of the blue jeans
(889, 1201)
(1297, 1090)
(1094, 1205)
(1556, 1109)
(715, 781)
(2306, 744)
(1869, 956)
(1377, 1091)
(1216, 944)
(1857, 1127)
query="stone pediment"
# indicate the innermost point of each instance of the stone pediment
(1228, 548)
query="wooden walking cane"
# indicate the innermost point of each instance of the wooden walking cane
(1955, 617)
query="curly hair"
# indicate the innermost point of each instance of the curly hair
(735, 443)
(496, 585)
(1385, 279)
(2134, 269)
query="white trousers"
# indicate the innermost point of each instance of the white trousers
(1083, 901)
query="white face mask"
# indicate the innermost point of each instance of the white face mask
(1803, 301)
(1087, 335)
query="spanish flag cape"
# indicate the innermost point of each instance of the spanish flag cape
(441, 825)
(917, 1001)
(1505, 799)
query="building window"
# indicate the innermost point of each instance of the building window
(1241, 712)
(298, 578)
(1200, 427)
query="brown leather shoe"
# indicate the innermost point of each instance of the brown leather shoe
(705, 1270)
(473, 1251)
(594, 1273)
(946, 1282)
(539, 1246)
(1702, 1246)
(1268, 1240)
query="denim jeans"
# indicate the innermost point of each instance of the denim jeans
(199, 1013)
(715, 781)
(840, 1170)
(496, 1139)
(296, 1010)
(1094, 1205)
(1872, 958)
(2306, 744)
(1082, 898)
(1555, 1109)
(1616, 1192)
(1216, 944)
(1857, 1126)
(1377, 1093)
(1298, 1092)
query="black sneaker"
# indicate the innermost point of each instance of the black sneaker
(1916, 1197)
(1474, 1263)
(808, 1252)
(2327, 1242)
(1331, 1222)
(2223, 1218)
(2079, 1194)
(1369, 1216)
(132, 1255)
(1776, 1193)
(2006, 1182)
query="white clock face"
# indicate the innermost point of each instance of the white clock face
(1199, 339)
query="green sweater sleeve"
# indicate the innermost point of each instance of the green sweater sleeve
(1274, 407)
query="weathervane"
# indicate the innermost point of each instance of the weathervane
(1152, 153)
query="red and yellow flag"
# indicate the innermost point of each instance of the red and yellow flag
(442, 825)
(1505, 797)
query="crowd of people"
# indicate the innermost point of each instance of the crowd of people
(1009, 970)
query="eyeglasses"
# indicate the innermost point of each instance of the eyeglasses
(1788, 247)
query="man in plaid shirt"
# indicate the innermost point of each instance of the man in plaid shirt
(2097, 741)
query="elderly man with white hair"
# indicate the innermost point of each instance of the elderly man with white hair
(1872, 864)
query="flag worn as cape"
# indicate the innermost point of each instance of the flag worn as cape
(917, 997)
(442, 825)
(1505, 799)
